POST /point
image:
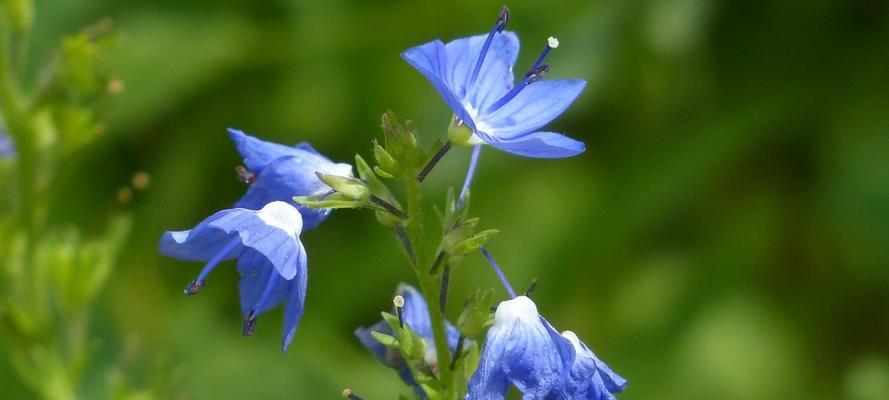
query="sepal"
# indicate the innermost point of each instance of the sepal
(476, 315)
(458, 133)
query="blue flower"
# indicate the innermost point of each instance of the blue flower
(474, 76)
(271, 258)
(415, 316)
(278, 172)
(523, 350)
(590, 378)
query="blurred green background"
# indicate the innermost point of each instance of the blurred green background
(725, 236)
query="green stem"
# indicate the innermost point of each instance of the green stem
(429, 284)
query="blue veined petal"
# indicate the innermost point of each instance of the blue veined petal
(295, 301)
(541, 145)
(281, 180)
(495, 77)
(534, 107)
(521, 349)
(590, 378)
(258, 153)
(307, 147)
(431, 59)
(256, 272)
(272, 231)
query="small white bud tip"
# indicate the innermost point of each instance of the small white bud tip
(552, 42)
(398, 301)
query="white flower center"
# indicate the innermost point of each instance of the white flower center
(521, 308)
(282, 216)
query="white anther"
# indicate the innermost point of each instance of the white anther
(552, 42)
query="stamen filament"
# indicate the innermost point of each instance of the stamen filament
(199, 282)
(502, 19)
(534, 74)
(499, 273)
(470, 174)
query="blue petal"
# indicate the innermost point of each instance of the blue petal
(202, 243)
(495, 77)
(307, 147)
(295, 301)
(255, 273)
(431, 59)
(7, 148)
(281, 180)
(541, 145)
(534, 107)
(521, 349)
(416, 316)
(590, 378)
(258, 153)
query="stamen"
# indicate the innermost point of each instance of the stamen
(398, 301)
(245, 175)
(502, 19)
(531, 288)
(347, 394)
(499, 273)
(470, 173)
(250, 318)
(534, 74)
(196, 285)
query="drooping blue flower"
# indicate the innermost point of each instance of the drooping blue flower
(271, 259)
(523, 350)
(280, 172)
(474, 76)
(415, 316)
(590, 378)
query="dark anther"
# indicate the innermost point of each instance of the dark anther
(244, 175)
(249, 324)
(531, 288)
(195, 286)
(537, 74)
(502, 18)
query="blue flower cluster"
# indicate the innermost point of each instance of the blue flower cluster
(262, 231)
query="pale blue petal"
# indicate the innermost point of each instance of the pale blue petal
(206, 240)
(431, 59)
(281, 180)
(295, 300)
(534, 107)
(541, 145)
(522, 350)
(495, 77)
(258, 153)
